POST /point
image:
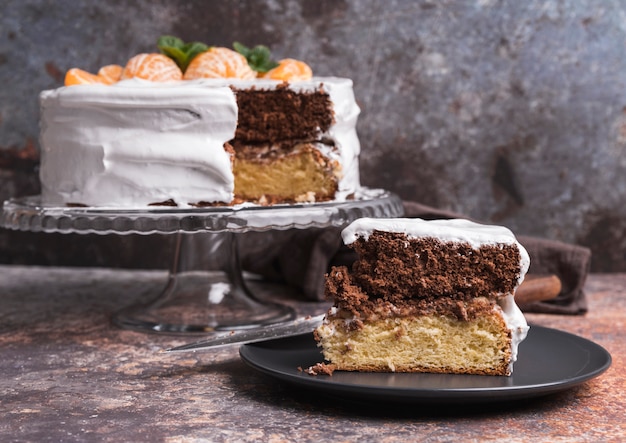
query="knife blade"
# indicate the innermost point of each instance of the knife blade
(298, 326)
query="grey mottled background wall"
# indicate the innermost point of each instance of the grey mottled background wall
(511, 112)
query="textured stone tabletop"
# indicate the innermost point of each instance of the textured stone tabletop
(69, 375)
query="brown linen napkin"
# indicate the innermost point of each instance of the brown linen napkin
(301, 258)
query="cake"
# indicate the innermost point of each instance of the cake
(164, 132)
(425, 296)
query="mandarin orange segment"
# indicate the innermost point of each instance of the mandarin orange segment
(289, 69)
(154, 67)
(110, 73)
(77, 76)
(219, 63)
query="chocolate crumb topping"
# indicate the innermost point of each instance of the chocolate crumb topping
(320, 368)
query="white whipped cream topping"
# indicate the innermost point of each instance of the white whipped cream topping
(515, 322)
(138, 142)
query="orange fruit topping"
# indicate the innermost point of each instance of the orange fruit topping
(110, 73)
(219, 63)
(289, 69)
(154, 67)
(77, 76)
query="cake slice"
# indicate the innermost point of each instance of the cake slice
(425, 296)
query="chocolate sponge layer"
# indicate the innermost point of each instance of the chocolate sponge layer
(422, 276)
(282, 114)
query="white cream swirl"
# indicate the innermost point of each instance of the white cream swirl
(135, 143)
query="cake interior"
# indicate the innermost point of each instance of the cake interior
(298, 174)
(421, 305)
(437, 344)
(280, 155)
(282, 114)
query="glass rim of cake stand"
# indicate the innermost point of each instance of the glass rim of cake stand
(166, 313)
(30, 214)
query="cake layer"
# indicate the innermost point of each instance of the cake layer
(428, 268)
(354, 302)
(136, 143)
(306, 172)
(463, 235)
(270, 115)
(436, 344)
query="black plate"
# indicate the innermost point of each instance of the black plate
(549, 361)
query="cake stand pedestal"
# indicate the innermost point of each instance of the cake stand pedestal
(206, 291)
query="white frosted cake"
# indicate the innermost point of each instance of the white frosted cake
(136, 143)
(142, 139)
(426, 296)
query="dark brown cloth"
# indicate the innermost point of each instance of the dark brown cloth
(301, 258)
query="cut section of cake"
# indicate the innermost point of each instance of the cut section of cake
(295, 141)
(426, 296)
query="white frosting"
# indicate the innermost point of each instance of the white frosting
(135, 143)
(515, 322)
(138, 142)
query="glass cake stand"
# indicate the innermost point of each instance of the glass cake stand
(206, 290)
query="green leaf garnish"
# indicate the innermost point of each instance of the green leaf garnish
(182, 53)
(259, 58)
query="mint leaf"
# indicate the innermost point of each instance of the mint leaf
(243, 50)
(168, 41)
(175, 54)
(259, 58)
(182, 53)
(191, 50)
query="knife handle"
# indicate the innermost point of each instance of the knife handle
(537, 288)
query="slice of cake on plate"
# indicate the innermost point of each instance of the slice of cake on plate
(425, 296)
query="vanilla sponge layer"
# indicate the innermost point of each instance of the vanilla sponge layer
(437, 344)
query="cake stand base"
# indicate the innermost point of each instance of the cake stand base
(206, 291)
(214, 298)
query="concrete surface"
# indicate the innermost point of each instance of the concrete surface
(69, 376)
